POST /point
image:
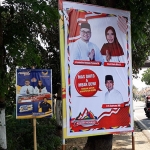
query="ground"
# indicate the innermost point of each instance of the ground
(118, 141)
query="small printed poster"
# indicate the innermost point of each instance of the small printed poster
(33, 93)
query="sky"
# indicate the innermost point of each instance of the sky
(137, 82)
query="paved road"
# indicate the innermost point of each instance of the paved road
(139, 114)
(140, 117)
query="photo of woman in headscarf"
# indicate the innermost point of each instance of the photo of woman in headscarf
(40, 88)
(111, 50)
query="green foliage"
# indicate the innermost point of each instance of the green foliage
(50, 139)
(140, 32)
(30, 38)
(20, 134)
(135, 92)
(146, 77)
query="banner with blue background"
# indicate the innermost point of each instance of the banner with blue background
(33, 93)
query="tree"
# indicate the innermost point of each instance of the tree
(134, 91)
(22, 23)
(146, 77)
(28, 37)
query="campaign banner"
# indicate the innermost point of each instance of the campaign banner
(33, 93)
(98, 70)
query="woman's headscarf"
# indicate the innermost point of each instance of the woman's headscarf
(114, 48)
(40, 87)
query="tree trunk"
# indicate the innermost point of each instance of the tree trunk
(103, 142)
(3, 143)
(2, 99)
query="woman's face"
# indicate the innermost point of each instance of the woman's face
(39, 83)
(110, 36)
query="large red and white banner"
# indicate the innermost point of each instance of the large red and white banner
(98, 70)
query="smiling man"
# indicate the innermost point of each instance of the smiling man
(83, 49)
(46, 107)
(27, 88)
(112, 96)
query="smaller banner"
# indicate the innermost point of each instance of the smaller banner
(33, 93)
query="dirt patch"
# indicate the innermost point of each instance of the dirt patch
(119, 141)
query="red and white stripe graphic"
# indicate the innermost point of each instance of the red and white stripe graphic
(122, 24)
(104, 114)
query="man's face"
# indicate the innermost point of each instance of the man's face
(45, 100)
(27, 83)
(85, 34)
(109, 85)
(110, 36)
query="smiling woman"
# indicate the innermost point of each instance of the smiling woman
(112, 49)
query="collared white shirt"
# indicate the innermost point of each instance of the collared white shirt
(81, 51)
(25, 88)
(113, 97)
(37, 91)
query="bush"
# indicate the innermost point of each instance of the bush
(20, 134)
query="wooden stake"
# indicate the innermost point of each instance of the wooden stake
(34, 133)
(133, 142)
(64, 147)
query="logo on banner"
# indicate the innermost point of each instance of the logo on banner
(85, 119)
(25, 108)
(86, 83)
(45, 73)
(33, 80)
(24, 73)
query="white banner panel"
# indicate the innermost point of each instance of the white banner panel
(97, 69)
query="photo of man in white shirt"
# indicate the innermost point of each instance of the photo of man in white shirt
(83, 49)
(27, 88)
(112, 96)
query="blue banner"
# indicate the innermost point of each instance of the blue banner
(33, 93)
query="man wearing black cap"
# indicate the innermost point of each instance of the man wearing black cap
(85, 50)
(112, 96)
